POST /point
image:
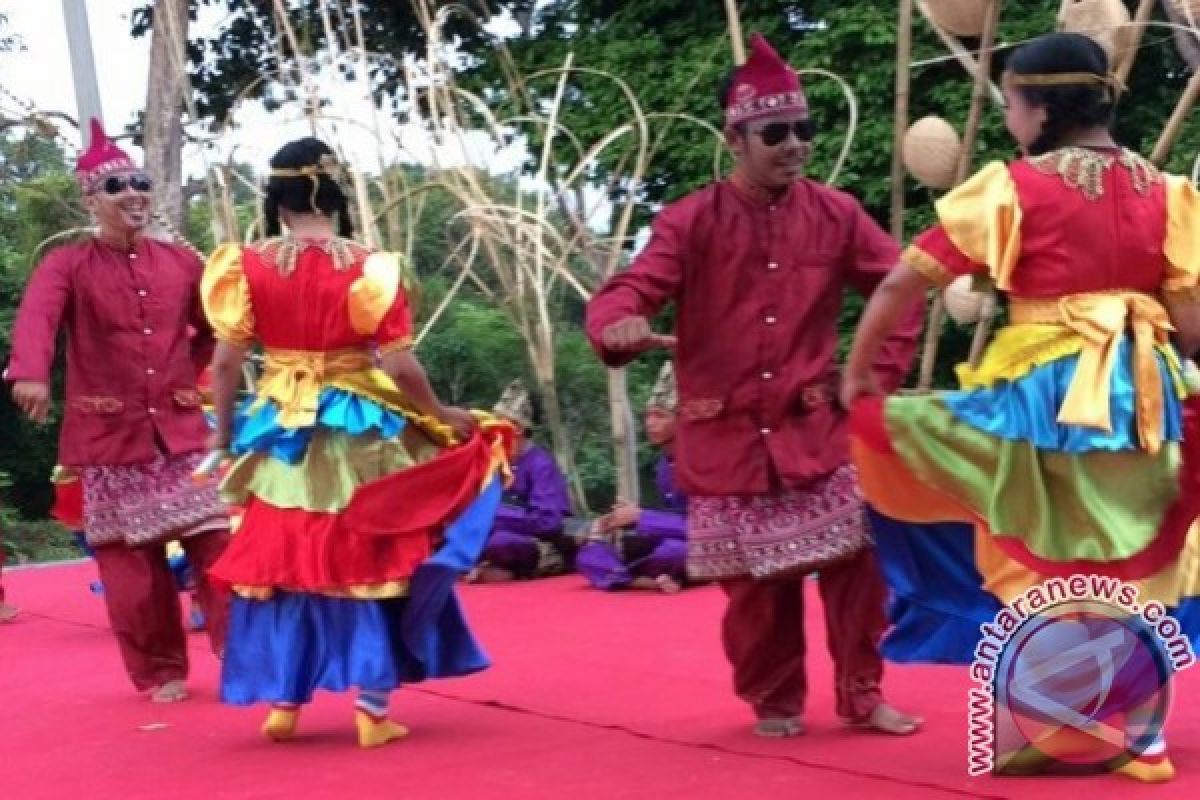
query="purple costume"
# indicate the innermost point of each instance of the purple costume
(658, 546)
(528, 535)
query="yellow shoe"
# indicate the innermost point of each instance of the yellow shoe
(376, 732)
(280, 724)
(1148, 769)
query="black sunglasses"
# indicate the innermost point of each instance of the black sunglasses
(115, 184)
(774, 133)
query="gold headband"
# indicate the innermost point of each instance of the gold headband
(326, 165)
(1110, 82)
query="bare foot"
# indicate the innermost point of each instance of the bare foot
(8, 612)
(779, 727)
(667, 585)
(494, 575)
(170, 692)
(885, 719)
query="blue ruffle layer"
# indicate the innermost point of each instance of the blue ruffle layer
(259, 431)
(1027, 408)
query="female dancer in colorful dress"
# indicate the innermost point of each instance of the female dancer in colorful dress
(1066, 445)
(365, 497)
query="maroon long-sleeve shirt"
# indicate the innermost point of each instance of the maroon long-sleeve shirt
(131, 363)
(758, 286)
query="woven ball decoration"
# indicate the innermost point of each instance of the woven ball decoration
(1106, 21)
(962, 304)
(931, 152)
(960, 17)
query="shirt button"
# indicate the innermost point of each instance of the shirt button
(142, 293)
(772, 265)
(147, 331)
(769, 320)
(132, 256)
(764, 431)
(152, 410)
(149, 370)
(766, 376)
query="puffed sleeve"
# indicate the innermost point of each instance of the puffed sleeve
(1182, 244)
(978, 231)
(378, 304)
(226, 295)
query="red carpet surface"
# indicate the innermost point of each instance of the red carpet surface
(591, 696)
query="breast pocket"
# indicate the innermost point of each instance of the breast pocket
(813, 278)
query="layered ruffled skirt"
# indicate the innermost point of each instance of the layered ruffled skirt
(982, 494)
(355, 528)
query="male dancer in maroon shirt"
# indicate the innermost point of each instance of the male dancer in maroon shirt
(133, 423)
(757, 266)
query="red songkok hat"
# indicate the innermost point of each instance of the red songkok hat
(102, 157)
(763, 86)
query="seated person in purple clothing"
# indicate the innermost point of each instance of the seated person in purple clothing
(644, 548)
(528, 540)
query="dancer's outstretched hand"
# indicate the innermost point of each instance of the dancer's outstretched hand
(633, 335)
(32, 397)
(856, 386)
(460, 420)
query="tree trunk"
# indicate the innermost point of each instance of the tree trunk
(624, 437)
(163, 124)
(543, 370)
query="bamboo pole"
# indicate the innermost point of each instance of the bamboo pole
(1141, 17)
(735, 32)
(1175, 124)
(937, 311)
(960, 53)
(903, 75)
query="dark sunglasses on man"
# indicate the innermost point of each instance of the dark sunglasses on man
(115, 184)
(774, 133)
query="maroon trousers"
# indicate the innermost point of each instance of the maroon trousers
(144, 611)
(763, 634)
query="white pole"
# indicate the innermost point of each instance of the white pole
(83, 66)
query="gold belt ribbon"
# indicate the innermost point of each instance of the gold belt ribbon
(294, 379)
(1100, 319)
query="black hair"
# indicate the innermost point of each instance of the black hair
(724, 87)
(296, 193)
(1068, 107)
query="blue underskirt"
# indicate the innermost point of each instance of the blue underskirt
(283, 649)
(937, 599)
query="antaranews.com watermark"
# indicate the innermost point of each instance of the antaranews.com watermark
(1075, 670)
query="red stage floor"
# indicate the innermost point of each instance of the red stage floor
(591, 696)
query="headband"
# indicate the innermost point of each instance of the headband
(326, 165)
(1109, 82)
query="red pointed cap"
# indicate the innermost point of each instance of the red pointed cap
(763, 86)
(102, 157)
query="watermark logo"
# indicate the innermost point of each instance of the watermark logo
(1072, 676)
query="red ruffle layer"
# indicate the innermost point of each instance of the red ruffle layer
(383, 535)
(314, 551)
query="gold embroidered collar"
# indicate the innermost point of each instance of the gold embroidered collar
(1083, 168)
(284, 251)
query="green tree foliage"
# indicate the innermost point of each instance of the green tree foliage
(38, 200)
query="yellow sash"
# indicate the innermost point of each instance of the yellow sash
(294, 378)
(1100, 318)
